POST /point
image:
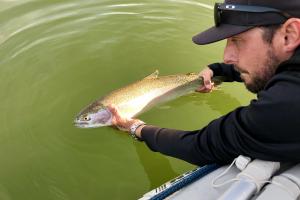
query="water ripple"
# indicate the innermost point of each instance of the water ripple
(126, 5)
(55, 57)
(85, 11)
(42, 40)
(194, 3)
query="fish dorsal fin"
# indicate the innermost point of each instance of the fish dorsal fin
(153, 75)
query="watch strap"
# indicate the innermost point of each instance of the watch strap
(133, 129)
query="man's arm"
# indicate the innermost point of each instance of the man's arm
(266, 129)
(226, 70)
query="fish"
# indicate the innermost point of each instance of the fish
(137, 98)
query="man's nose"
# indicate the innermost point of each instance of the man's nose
(230, 53)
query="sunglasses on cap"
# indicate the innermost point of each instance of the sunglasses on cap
(221, 7)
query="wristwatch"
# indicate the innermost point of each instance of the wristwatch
(133, 128)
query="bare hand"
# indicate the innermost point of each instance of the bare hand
(119, 121)
(208, 85)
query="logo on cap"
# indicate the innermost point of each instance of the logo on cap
(232, 7)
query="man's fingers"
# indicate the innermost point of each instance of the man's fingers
(113, 120)
(116, 117)
(119, 121)
(205, 88)
(114, 110)
(207, 83)
(207, 74)
(200, 89)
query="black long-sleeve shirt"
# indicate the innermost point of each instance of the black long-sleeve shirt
(268, 128)
(221, 69)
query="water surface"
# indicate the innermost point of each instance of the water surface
(58, 56)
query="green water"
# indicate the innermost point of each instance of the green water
(58, 56)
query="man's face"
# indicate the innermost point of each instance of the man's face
(253, 57)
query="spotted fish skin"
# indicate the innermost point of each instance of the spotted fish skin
(138, 97)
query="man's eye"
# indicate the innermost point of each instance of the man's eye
(235, 40)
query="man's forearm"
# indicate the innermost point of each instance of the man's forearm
(226, 70)
(138, 131)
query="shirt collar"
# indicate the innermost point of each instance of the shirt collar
(292, 64)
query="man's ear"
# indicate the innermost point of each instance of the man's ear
(291, 34)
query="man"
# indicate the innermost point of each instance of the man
(263, 51)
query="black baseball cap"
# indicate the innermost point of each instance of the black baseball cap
(236, 16)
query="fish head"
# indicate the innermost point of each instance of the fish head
(93, 117)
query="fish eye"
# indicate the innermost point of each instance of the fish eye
(86, 118)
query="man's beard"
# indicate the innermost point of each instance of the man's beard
(260, 80)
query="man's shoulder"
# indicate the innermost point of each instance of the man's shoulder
(282, 89)
(286, 80)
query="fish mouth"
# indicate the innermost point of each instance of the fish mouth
(81, 124)
(87, 125)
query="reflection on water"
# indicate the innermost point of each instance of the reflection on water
(215, 100)
(154, 164)
(57, 56)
